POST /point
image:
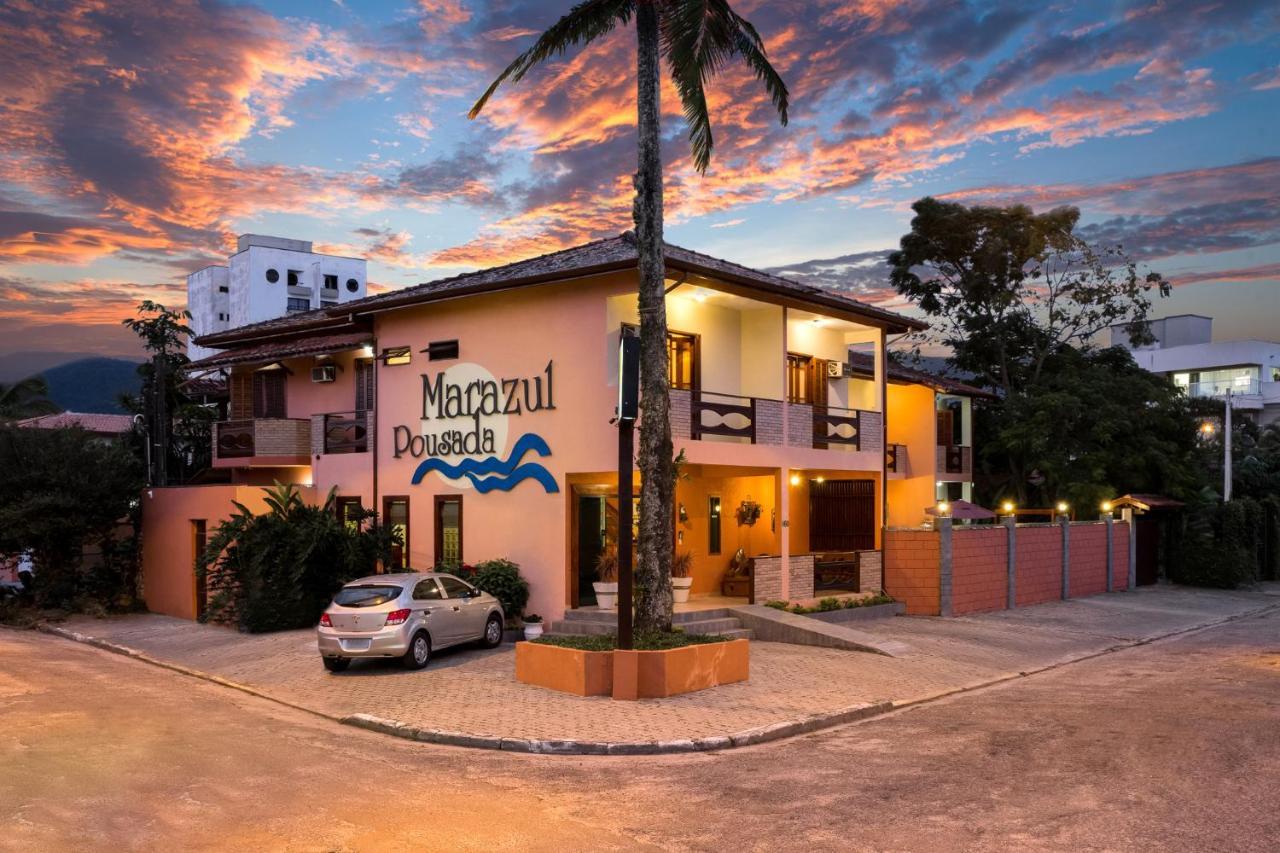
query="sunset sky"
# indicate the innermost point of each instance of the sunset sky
(138, 138)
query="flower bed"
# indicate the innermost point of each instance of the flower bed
(660, 665)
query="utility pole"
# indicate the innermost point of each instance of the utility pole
(628, 411)
(1226, 452)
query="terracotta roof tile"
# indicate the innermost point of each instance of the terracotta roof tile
(91, 421)
(865, 365)
(612, 253)
(277, 350)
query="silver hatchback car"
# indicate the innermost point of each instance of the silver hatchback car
(406, 616)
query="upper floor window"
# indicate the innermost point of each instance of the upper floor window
(806, 379)
(331, 282)
(950, 423)
(295, 277)
(441, 350)
(268, 394)
(684, 362)
(299, 303)
(392, 356)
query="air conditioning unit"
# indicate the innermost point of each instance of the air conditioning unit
(838, 370)
(324, 373)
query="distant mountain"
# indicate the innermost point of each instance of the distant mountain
(93, 384)
(20, 365)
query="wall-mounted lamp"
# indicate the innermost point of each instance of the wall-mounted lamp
(820, 479)
(683, 513)
(795, 479)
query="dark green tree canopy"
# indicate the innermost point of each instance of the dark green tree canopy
(1006, 287)
(26, 398)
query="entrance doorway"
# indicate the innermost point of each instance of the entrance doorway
(595, 523)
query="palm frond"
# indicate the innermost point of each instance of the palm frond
(584, 23)
(698, 38)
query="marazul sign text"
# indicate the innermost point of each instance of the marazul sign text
(474, 400)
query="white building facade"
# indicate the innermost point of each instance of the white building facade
(268, 277)
(1184, 350)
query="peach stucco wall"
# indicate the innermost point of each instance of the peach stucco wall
(910, 411)
(168, 546)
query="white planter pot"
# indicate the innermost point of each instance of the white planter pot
(606, 594)
(533, 632)
(680, 589)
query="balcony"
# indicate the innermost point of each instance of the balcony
(955, 463)
(262, 441)
(707, 415)
(343, 432)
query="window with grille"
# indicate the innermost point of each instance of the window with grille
(298, 303)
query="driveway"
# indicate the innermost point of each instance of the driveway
(1169, 746)
(474, 692)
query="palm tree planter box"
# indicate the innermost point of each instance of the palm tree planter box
(573, 671)
(670, 672)
(632, 674)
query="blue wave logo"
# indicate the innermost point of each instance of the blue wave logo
(493, 473)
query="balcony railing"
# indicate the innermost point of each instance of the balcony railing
(707, 415)
(1239, 387)
(346, 432)
(955, 459)
(275, 438)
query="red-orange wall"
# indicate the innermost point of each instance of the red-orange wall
(979, 569)
(911, 576)
(1089, 559)
(1039, 564)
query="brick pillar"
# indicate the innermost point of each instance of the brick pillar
(1110, 538)
(1011, 590)
(1065, 523)
(944, 566)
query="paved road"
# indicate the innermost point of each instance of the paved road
(1170, 746)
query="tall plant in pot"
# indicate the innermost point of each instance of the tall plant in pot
(681, 576)
(606, 584)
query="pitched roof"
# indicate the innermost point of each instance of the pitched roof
(600, 256)
(91, 421)
(865, 365)
(277, 350)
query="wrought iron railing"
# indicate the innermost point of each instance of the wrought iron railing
(346, 432)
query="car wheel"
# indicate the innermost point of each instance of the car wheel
(419, 653)
(492, 632)
(336, 664)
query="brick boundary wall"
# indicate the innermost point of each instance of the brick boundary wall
(911, 561)
(967, 569)
(870, 571)
(1088, 559)
(767, 578)
(1039, 563)
(979, 569)
(800, 571)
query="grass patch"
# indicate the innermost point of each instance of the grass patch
(826, 605)
(644, 642)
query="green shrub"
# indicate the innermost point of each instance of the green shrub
(826, 605)
(1218, 544)
(776, 605)
(280, 570)
(502, 580)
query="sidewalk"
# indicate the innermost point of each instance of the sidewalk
(470, 696)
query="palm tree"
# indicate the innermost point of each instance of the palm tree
(697, 38)
(26, 398)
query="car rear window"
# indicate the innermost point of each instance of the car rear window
(365, 596)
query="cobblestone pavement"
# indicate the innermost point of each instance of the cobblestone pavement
(474, 691)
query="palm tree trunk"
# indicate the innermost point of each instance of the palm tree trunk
(653, 569)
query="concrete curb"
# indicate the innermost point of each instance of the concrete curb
(717, 743)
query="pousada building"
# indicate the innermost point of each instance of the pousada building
(474, 414)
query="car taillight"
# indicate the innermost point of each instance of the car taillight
(324, 621)
(398, 617)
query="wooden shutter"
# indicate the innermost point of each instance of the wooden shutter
(364, 385)
(944, 427)
(240, 386)
(268, 394)
(818, 382)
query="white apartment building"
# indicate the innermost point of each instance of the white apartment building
(268, 277)
(1185, 351)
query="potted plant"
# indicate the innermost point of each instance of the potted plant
(532, 626)
(681, 576)
(606, 585)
